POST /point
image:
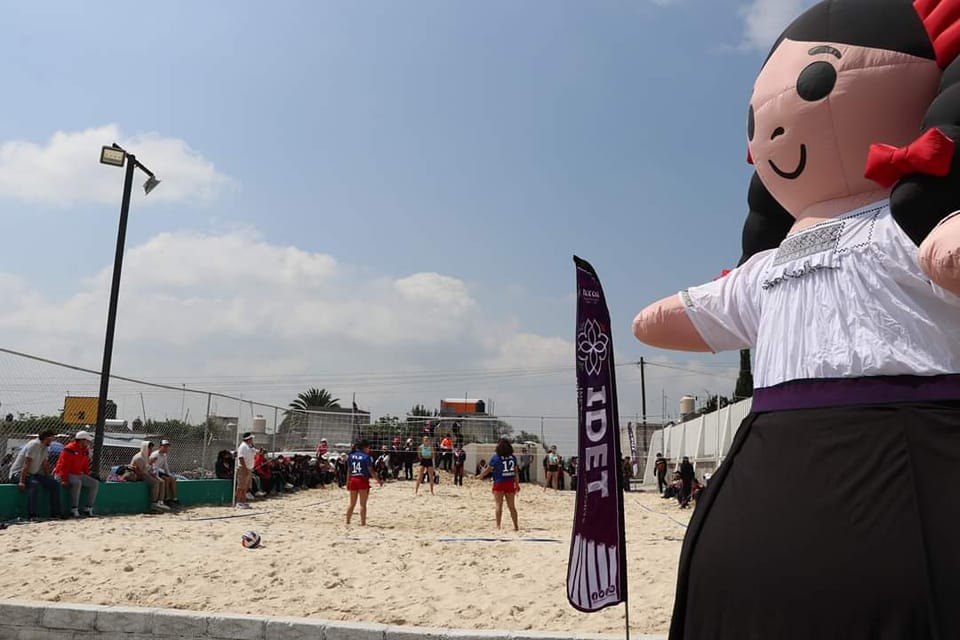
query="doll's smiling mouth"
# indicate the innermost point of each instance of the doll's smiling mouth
(792, 175)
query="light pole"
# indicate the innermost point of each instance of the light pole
(116, 156)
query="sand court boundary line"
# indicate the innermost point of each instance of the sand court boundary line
(231, 516)
(26, 619)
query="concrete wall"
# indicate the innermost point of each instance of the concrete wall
(25, 620)
(118, 497)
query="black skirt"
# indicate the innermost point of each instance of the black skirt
(823, 524)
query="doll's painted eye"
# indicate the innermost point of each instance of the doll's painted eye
(816, 81)
(750, 124)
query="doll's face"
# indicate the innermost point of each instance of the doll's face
(816, 109)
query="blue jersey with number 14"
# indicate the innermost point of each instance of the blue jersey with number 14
(504, 469)
(359, 464)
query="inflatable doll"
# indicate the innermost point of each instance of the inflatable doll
(834, 515)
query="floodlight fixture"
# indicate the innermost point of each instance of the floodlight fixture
(150, 185)
(114, 156)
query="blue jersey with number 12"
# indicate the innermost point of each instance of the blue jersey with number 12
(359, 464)
(504, 469)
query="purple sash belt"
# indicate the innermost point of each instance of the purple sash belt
(838, 392)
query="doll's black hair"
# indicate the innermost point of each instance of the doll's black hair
(917, 202)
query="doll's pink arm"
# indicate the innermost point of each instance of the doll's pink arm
(940, 254)
(665, 324)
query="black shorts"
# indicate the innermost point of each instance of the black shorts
(426, 463)
(552, 468)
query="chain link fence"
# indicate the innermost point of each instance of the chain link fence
(38, 394)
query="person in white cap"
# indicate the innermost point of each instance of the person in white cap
(245, 457)
(322, 448)
(158, 459)
(73, 472)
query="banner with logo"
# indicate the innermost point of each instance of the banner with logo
(597, 568)
(634, 460)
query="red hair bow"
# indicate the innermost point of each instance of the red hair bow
(930, 154)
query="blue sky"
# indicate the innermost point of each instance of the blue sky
(373, 187)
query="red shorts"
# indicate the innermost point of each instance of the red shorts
(358, 483)
(507, 486)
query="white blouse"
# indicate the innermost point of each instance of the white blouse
(843, 299)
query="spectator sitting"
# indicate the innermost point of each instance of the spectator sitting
(161, 466)
(481, 466)
(322, 448)
(696, 489)
(73, 471)
(261, 467)
(672, 490)
(282, 475)
(31, 469)
(224, 465)
(143, 472)
(325, 469)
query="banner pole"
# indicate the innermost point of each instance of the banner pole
(626, 617)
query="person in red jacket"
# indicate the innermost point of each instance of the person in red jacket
(73, 471)
(261, 467)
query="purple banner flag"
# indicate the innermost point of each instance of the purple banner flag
(597, 569)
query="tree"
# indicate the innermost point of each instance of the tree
(314, 398)
(711, 404)
(419, 410)
(523, 436)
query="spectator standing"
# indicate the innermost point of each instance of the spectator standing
(687, 474)
(161, 466)
(572, 469)
(660, 469)
(143, 472)
(246, 455)
(459, 460)
(341, 469)
(409, 459)
(360, 467)
(506, 481)
(73, 471)
(551, 464)
(526, 459)
(31, 470)
(561, 476)
(627, 473)
(446, 452)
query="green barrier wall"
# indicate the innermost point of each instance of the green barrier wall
(118, 497)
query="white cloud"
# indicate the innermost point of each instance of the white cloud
(765, 20)
(65, 170)
(214, 309)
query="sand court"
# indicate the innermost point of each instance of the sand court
(422, 560)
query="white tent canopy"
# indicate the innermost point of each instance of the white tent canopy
(704, 439)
